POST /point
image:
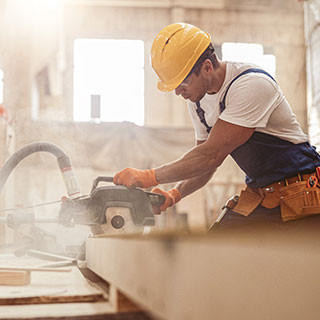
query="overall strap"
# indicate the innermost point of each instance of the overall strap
(256, 70)
(222, 104)
(200, 113)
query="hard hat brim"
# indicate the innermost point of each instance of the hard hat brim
(165, 87)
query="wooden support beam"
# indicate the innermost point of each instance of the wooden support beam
(120, 302)
(248, 273)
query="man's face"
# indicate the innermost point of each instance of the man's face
(192, 87)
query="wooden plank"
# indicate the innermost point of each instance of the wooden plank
(56, 311)
(53, 299)
(52, 288)
(83, 311)
(262, 272)
(14, 278)
(58, 285)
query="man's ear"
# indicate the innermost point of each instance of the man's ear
(207, 65)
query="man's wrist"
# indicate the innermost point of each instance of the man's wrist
(156, 176)
(176, 195)
(152, 177)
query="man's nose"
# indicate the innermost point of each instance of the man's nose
(178, 91)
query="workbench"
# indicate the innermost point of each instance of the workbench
(261, 272)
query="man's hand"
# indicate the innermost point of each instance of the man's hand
(172, 197)
(131, 177)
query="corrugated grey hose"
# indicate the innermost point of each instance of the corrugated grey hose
(64, 163)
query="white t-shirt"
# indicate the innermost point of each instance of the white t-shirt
(254, 100)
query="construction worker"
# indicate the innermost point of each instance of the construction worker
(236, 109)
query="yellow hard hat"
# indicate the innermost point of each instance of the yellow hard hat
(174, 52)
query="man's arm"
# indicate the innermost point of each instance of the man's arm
(183, 188)
(201, 161)
(205, 158)
(189, 186)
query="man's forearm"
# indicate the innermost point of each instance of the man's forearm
(208, 156)
(203, 159)
(189, 186)
(195, 163)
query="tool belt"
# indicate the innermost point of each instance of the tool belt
(296, 198)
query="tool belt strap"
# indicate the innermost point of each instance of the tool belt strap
(269, 196)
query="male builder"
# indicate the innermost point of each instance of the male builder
(236, 109)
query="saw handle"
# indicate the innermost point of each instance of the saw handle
(100, 179)
(155, 198)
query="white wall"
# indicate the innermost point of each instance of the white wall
(34, 41)
(312, 32)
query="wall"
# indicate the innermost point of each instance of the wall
(312, 32)
(277, 26)
(39, 37)
(36, 41)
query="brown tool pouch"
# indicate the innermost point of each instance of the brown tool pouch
(271, 196)
(298, 201)
(249, 200)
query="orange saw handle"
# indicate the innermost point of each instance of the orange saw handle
(155, 198)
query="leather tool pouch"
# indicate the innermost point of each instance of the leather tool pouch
(271, 197)
(298, 201)
(249, 200)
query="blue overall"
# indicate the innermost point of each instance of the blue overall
(264, 158)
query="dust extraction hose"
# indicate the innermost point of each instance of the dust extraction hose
(63, 162)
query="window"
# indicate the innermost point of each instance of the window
(251, 53)
(1, 86)
(109, 80)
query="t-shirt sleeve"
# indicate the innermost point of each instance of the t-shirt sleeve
(250, 101)
(200, 131)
